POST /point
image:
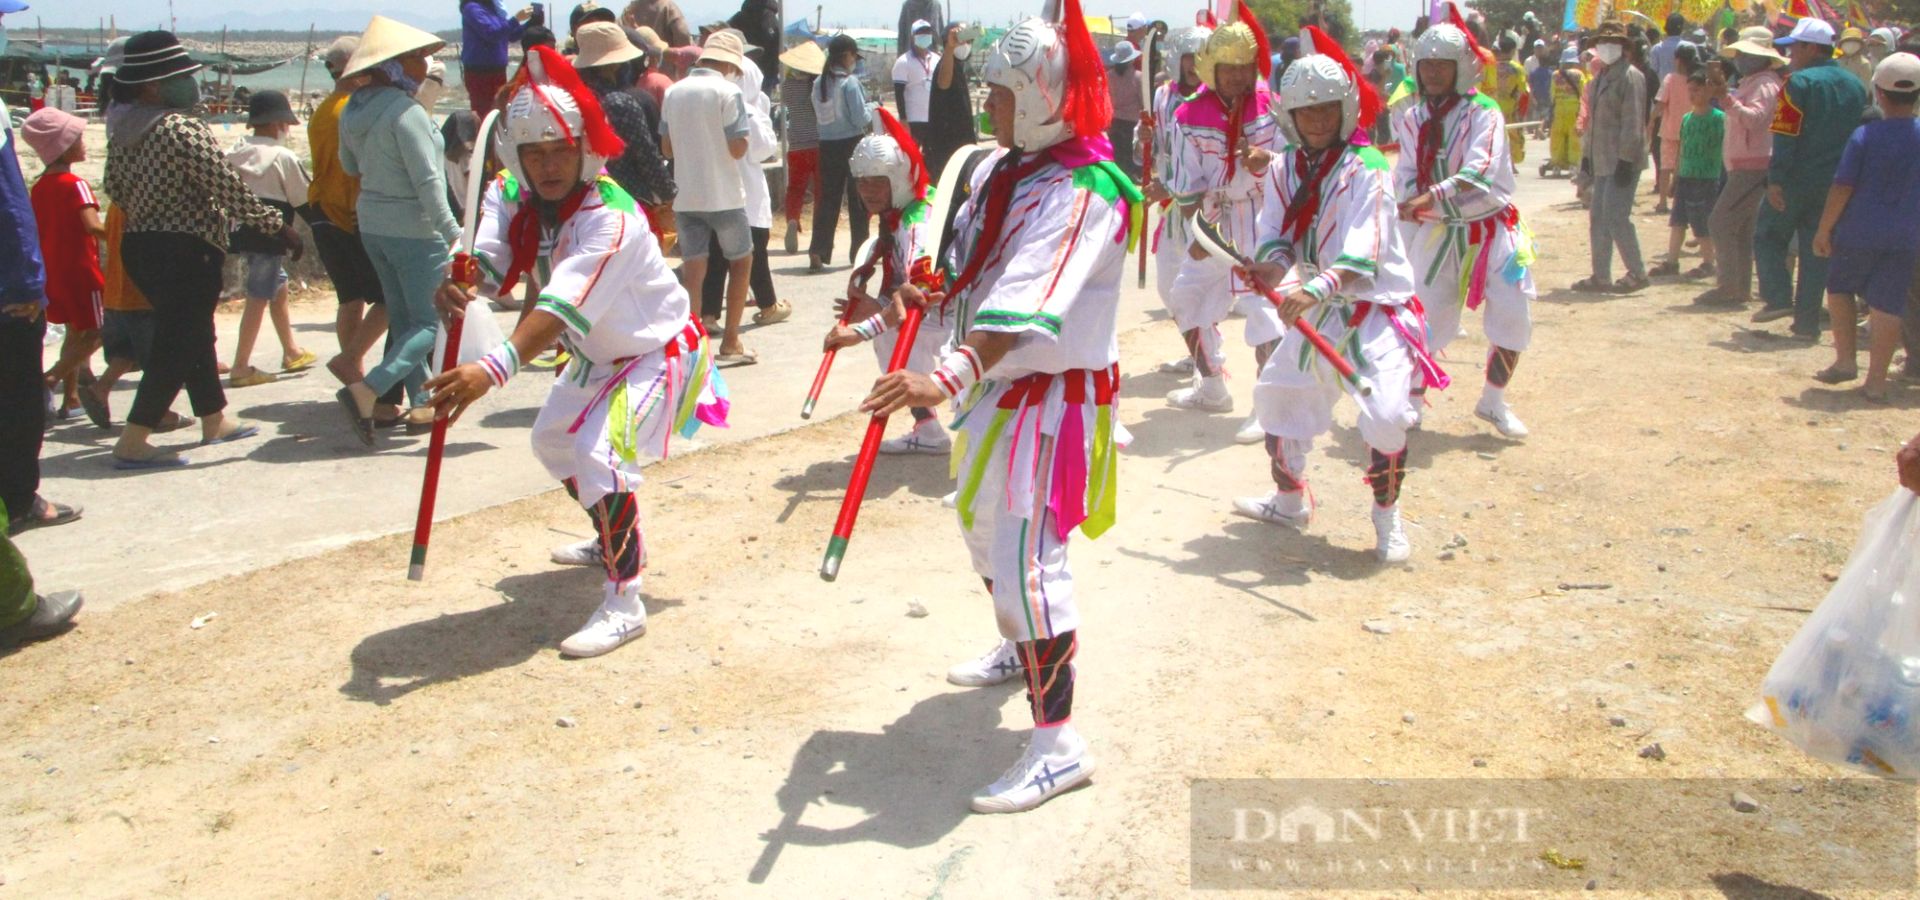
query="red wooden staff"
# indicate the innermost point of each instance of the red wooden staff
(1213, 242)
(826, 360)
(869, 448)
(465, 271)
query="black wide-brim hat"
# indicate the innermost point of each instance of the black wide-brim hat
(154, 56)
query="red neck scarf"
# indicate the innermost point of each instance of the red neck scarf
(1236, 114)
(1305, 205)
(1007, 175)
(523, 232)
(1431, 136)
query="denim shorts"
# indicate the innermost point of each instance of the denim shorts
(728, 225)
(265, 276)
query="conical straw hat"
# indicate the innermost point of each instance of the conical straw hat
(385, 39)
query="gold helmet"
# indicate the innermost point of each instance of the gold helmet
(1238, 42)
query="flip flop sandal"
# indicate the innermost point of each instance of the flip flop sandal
(1879, 399)
(1592, 286)
(300, 363)
(159, 461)
(1704, 270)
(255, 379)
(238, 434)
(1629, 284)
(775, 314)
(1836, 375)
(96, 408)
(734, 360)
(362, 425)
(1665, 268)
(62, 514)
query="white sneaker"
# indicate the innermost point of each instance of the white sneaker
(993, 667)
(1181, 366)
(1039, 775)
(1290, 510)
(932, 441)
(1419, 415)
(620, 618)
(1250, 432)
(585, 553)
(1502, 417)
(951, 500)
(1389, 539)
(1208, 395)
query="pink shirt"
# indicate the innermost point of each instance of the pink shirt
(1675, 105)
(1748, 145)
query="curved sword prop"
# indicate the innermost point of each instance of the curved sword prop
(465, 271)
(1216, 244)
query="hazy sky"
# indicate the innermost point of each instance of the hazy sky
(294, 14)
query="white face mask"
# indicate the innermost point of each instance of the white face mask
(962, 52)
(1607, 53)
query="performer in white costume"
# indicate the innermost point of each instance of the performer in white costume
(640, 367)
(1330, 212)
(1171, 239)
(1455, 182)
(891, 177)
(1228, 138)
(1040, 247)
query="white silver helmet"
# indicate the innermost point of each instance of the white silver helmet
(542, 112)
(1311, 81)
(1190, 42)
(1031, 61)
(880, 155)
(1446, 41)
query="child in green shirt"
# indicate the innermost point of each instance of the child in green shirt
(1697, 180)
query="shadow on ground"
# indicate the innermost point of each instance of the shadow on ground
(918, 475)
(538, 611)
(913, 779)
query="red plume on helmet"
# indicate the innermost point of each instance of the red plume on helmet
(1313, 40)
(916, 165)
(545, 64)
(1263, 50)
(1087, 108)
(1206, 19)
(1454, 19)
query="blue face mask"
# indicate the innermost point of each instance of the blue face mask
(923, 41)
(397, 74)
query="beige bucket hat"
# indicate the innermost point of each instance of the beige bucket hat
(1756, 40)
(806, 57)
(603, 44)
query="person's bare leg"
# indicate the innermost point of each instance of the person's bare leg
(1675, 238)
(290, 348)
(1706, 251)
(373, 327)
(737, 274)
(249, 333)
(75, 351)
(1846, 332)
(693, 273)
(1883, 336)
(346, 328)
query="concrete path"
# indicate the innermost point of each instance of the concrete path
(305, 485)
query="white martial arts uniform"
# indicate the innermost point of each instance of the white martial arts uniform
(1037, 436)
(1355, 232)
(640, 368)
(912, 240)
(1209, 174)
(1474, 248)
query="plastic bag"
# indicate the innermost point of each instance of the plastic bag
(478, 335)
(1847, 687)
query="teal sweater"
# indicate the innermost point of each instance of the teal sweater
(389, 141)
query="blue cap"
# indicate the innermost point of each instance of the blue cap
(12, 6)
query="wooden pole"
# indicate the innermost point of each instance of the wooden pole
(306, 58)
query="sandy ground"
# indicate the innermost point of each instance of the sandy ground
(337, 731)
